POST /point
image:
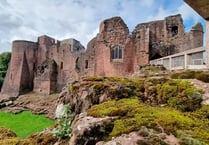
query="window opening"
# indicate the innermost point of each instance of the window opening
(116, 52)
(120, 53)
(86, 64)
(61, 65)
(174, 30)
(77, 64)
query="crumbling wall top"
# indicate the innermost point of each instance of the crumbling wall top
(46, 40)
(115, 23)
(197, 27)
(74, 44)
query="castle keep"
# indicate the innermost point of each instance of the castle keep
(47, 65)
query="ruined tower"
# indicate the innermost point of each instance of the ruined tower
(47, 65)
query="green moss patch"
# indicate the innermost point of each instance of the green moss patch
(114, 87)
(190, 74)
(133, 115)
(179, 94)
(25, 123)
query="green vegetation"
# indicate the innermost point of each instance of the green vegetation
(180, 95)
(161, 104)
(115, 87)
(25, 123)
(134, 115)
(7, 137)
(151, 69)
(203, 77)
(63, 128)
(189, 74)
(4, 63)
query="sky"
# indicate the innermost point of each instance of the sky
(80, 19)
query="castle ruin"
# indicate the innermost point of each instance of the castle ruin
(47, 65)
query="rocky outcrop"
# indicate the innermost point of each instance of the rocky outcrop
(142, 137)
(89, 130)
(36, 103)
(203, 86)
(95, 90)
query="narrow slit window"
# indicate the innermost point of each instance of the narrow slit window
(86, 64)
(113, 53)
(61, 65)
(120, 53)
(116, 53)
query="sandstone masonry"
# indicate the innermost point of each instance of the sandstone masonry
(47, 65)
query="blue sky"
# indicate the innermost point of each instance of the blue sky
(80, 19)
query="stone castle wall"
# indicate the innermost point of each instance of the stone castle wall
(113, 52)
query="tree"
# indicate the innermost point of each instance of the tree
(4, 64)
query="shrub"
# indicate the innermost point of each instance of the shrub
(63, 128)
(188, 74)
(203, 77)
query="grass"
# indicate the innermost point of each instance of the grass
(24, 123)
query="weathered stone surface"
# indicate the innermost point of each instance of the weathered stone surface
(135, 138)
(36, 103)
(202, 86)
(87, 129)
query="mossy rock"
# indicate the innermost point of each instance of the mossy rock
(186, 139)
(133, 115)
(6, 133)
(203, 77)
(42, 139)
(10, 141)
(202, 113)
(114, 87)
(188, 74)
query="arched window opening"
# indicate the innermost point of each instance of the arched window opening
(116, 52)
(120, 53)
(174, 30)
(77, 64)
